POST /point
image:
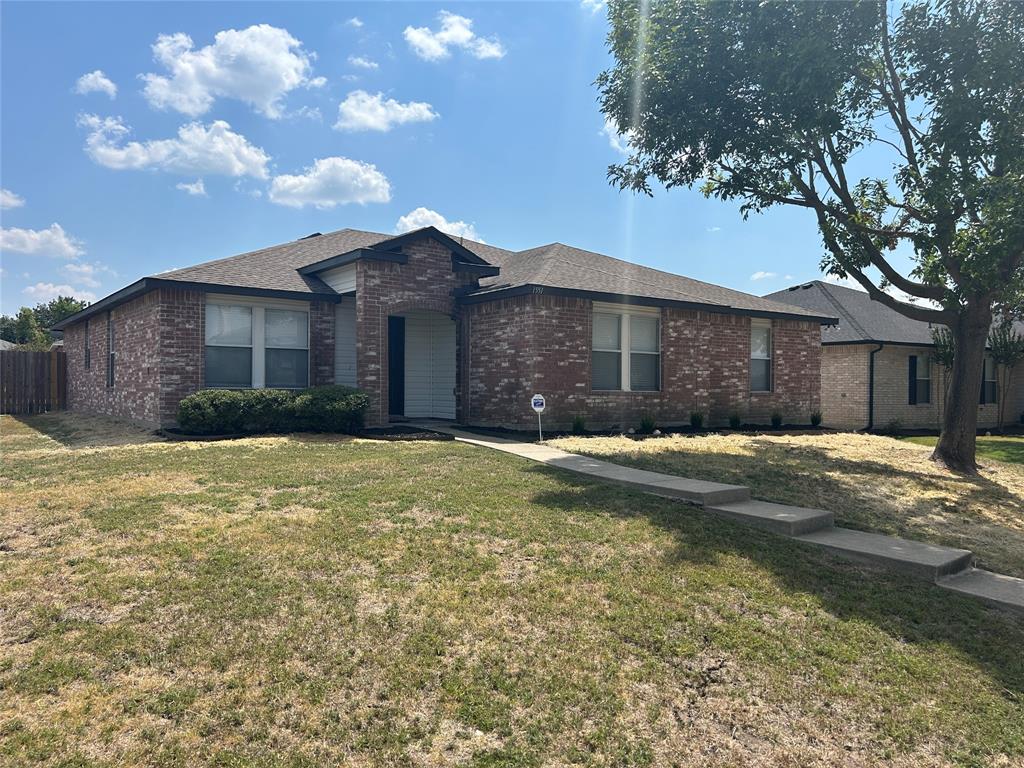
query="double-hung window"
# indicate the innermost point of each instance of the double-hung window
(256, 345)
(625, 349)
(989, 383)
(110, 350)
(760, 356)
(920, 380)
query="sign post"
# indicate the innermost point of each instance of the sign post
(537, 403)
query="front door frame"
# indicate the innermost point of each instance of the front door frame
(396, 365)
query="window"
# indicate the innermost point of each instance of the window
(760, 356)
(287, 344)
(110, 350)
(625, 349)
(989, 385)
(228, 346)
(920, 380)
(88, 353)
(256, 345)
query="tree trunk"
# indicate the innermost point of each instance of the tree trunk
(956, 446)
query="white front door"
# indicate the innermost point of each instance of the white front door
(429, 366)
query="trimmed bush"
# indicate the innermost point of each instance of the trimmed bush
(579, 425)
(776, 419)
(253, 411)
(646, 425)
(735, 421)
(816, 419)
(696, 419)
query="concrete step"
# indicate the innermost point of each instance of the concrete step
(927, 561)
(777, 518)
(695, 491)
(994, 588)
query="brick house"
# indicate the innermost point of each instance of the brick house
(876, 365)
(432, 327)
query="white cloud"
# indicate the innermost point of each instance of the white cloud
(361, 111)
(198, 149)
(592, 5)
(10, 200)
(83, 273)
(331, 181)
(52, 241)
(424, 217)
(195, 188)
(713, 229)
(355, 21)
(617, 141)
(763, 275)
(455, 32)
(42, 292)
(363, 62)
(259, 65)
(96, 82)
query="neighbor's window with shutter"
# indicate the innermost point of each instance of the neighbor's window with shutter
(228, 346)
(989, 384)
(110, 350)
(760, 356)
(920, 380)
(606, 357)
(286, 338)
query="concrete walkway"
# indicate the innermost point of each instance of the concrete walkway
(948, 567)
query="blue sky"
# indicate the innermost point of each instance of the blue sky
(141, 137)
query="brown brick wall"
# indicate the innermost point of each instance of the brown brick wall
(383, 288)
(321, 342)
(541, 343)
(844, 386)
(181, 348)
(135, 393)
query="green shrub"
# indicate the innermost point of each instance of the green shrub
(646, 425)
(253, 411)
(696, 419)
(579, 425)
(816, 419)
(734, 420)
(776, 419)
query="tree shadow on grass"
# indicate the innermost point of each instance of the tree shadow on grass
(984, 514)
(908, 610)
(76, 430)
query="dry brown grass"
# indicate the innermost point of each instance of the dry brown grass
(291, 601)
(870, 482)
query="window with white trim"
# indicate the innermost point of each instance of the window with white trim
(256, 345)
(920, 380)
(625, 349)
(760, 356)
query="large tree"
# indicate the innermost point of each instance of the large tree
(799, 103)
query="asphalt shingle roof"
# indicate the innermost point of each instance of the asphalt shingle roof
(555, 266)
(861, 318)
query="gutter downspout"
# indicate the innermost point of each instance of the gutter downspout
(871, 387)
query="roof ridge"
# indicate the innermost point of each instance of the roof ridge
(840, 309)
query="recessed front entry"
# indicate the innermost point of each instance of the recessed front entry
(429, 342)
(396, 366)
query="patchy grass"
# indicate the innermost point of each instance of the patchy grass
(870, 482)
(999, 448)
(307, 601)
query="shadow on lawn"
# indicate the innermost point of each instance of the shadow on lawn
(906, 609)
(867, 494)
(73, 430)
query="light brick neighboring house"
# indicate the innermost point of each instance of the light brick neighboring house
(432, 327)
(877, 369)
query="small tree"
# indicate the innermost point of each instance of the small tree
(52, 312)
(1006, 348)
(28, 332)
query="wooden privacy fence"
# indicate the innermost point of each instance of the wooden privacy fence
(33, 382)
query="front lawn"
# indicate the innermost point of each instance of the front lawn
(870, 482)
(310, 601)
(1000, 448)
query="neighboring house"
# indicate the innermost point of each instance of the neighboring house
(432, 327)
(6, 345)
(877, 367)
